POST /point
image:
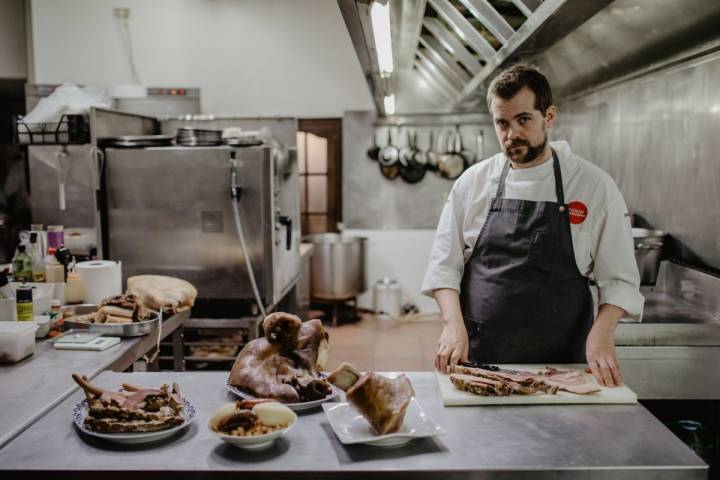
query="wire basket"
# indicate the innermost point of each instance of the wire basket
(70, 130)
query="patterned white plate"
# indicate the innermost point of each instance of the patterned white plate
(299, 406)
(351, 427)
(80, 411)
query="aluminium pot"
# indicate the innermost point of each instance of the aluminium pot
(337, 266)
(648, 249)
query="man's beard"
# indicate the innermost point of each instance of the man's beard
(533, 152)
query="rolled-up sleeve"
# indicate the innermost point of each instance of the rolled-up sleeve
(615, 269)
(445, 266)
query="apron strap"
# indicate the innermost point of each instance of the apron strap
(556, 170)
(501, 182)
(558, 179)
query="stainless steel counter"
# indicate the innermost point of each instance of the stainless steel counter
(33, 386)
(590, 442)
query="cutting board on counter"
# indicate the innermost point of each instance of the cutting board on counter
(453, 397)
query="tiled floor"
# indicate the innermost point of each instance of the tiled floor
(385, 345)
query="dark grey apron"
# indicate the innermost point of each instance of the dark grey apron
(522, 296)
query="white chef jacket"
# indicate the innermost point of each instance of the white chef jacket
(601, 231)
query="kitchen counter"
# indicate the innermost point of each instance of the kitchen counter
(33, 386)
(588, 441)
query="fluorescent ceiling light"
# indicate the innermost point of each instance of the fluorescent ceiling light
(389, 104)
(380, 17)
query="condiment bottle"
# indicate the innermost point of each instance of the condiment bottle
(22, 266)
(24, 303)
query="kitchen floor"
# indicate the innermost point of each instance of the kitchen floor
(386, 345)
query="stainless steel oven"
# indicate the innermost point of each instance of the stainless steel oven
(169, 211)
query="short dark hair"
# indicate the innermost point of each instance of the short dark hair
(510, 81)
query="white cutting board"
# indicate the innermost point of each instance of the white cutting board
(453, 397)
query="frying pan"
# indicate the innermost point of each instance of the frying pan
(451, 163)
(467, 154)
(374, 151)
(421, 157)
(407, 153)
(432, 154)
(389, 154)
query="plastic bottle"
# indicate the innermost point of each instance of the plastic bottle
(54, 270)
(38, 265)
(22, 265)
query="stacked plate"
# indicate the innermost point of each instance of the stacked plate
(195, 137)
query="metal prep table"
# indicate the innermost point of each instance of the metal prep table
(672, 353)
(35, 385)
(580, 441)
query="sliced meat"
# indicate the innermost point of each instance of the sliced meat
(480, 386)
(573, 381)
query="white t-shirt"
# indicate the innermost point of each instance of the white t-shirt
(600, 224)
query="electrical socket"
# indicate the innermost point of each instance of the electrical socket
(122, 13)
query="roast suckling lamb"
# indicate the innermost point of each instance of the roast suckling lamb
(136, 409)
(494, 381)
(382, 401)
(284, 365)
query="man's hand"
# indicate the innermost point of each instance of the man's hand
(452, 346)
(600, 347)
(453, 342)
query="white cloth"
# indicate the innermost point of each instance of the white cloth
(602, 241)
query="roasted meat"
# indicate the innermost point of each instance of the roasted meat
(285, 364)
(382, 401)
(500, 382)
(135, 409)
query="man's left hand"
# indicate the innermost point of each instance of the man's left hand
(601, 358)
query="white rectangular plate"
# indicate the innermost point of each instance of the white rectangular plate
(350, 427)
(453, 397)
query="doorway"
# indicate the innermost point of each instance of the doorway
(319, 145)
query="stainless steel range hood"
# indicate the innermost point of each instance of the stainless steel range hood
(455, 47)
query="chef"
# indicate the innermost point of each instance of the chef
(519, 238)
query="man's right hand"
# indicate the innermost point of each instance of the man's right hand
(452, 346)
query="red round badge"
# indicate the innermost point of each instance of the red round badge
(577, 211)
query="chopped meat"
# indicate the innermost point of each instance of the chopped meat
(284, 365)
(133, 410)
(382, 401)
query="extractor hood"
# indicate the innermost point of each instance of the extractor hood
(453, 48)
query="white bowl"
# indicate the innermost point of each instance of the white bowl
(254, 441)
(42, 295)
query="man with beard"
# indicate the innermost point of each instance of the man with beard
(518, 239)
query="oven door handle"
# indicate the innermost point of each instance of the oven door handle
(287, 223)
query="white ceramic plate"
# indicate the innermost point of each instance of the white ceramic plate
(350, 427)
(254, 441)
(81, 409)
(299, 406)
